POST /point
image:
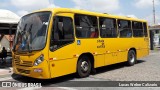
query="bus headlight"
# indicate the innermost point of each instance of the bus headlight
(39, 60)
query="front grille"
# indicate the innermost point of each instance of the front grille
(23, 71)
(23, 63)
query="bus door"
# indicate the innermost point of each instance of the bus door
(62, 46)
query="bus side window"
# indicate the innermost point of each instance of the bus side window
(137, 29)
(86, 26)
(145, 29)
(108, 27)
(62, 33)
(124, 27)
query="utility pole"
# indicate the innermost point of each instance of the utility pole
(154, 14)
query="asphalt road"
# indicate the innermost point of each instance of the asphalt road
(147, 69)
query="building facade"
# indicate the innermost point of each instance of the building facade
(156, 37)
(8, 26)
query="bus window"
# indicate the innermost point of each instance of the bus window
(107, 27)
(62, 32)
(145, 29)
(137, 29)
(124, 28)
(86, 26)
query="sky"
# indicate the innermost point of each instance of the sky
(134, 8)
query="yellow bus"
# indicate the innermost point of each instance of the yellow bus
(54, 42)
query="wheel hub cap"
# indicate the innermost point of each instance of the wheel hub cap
(132, 58)
(84, 66)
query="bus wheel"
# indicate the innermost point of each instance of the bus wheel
(83, 66)
(131, 58)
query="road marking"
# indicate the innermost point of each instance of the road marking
(6, 78)
(66, 88)
(34, 88)
(30, 88)
(152, 53)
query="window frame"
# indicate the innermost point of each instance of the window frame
(141, 28)
(52, 28)
(145, 34)
(116, 29)
(97, 21)
(119, 34)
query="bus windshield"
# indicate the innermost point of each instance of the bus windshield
(31, 32)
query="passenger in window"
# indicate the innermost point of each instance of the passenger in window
(93, 33)
(129, 34)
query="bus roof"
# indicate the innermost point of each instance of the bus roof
(68, 10)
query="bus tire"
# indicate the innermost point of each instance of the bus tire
(83, 66)
(131, 58)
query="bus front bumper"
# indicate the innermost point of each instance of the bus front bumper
(41, 71)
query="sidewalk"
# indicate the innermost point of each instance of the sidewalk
(6, 69)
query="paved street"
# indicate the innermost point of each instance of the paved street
(147, 69)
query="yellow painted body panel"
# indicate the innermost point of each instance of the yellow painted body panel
(106, 51)
(25, 65)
